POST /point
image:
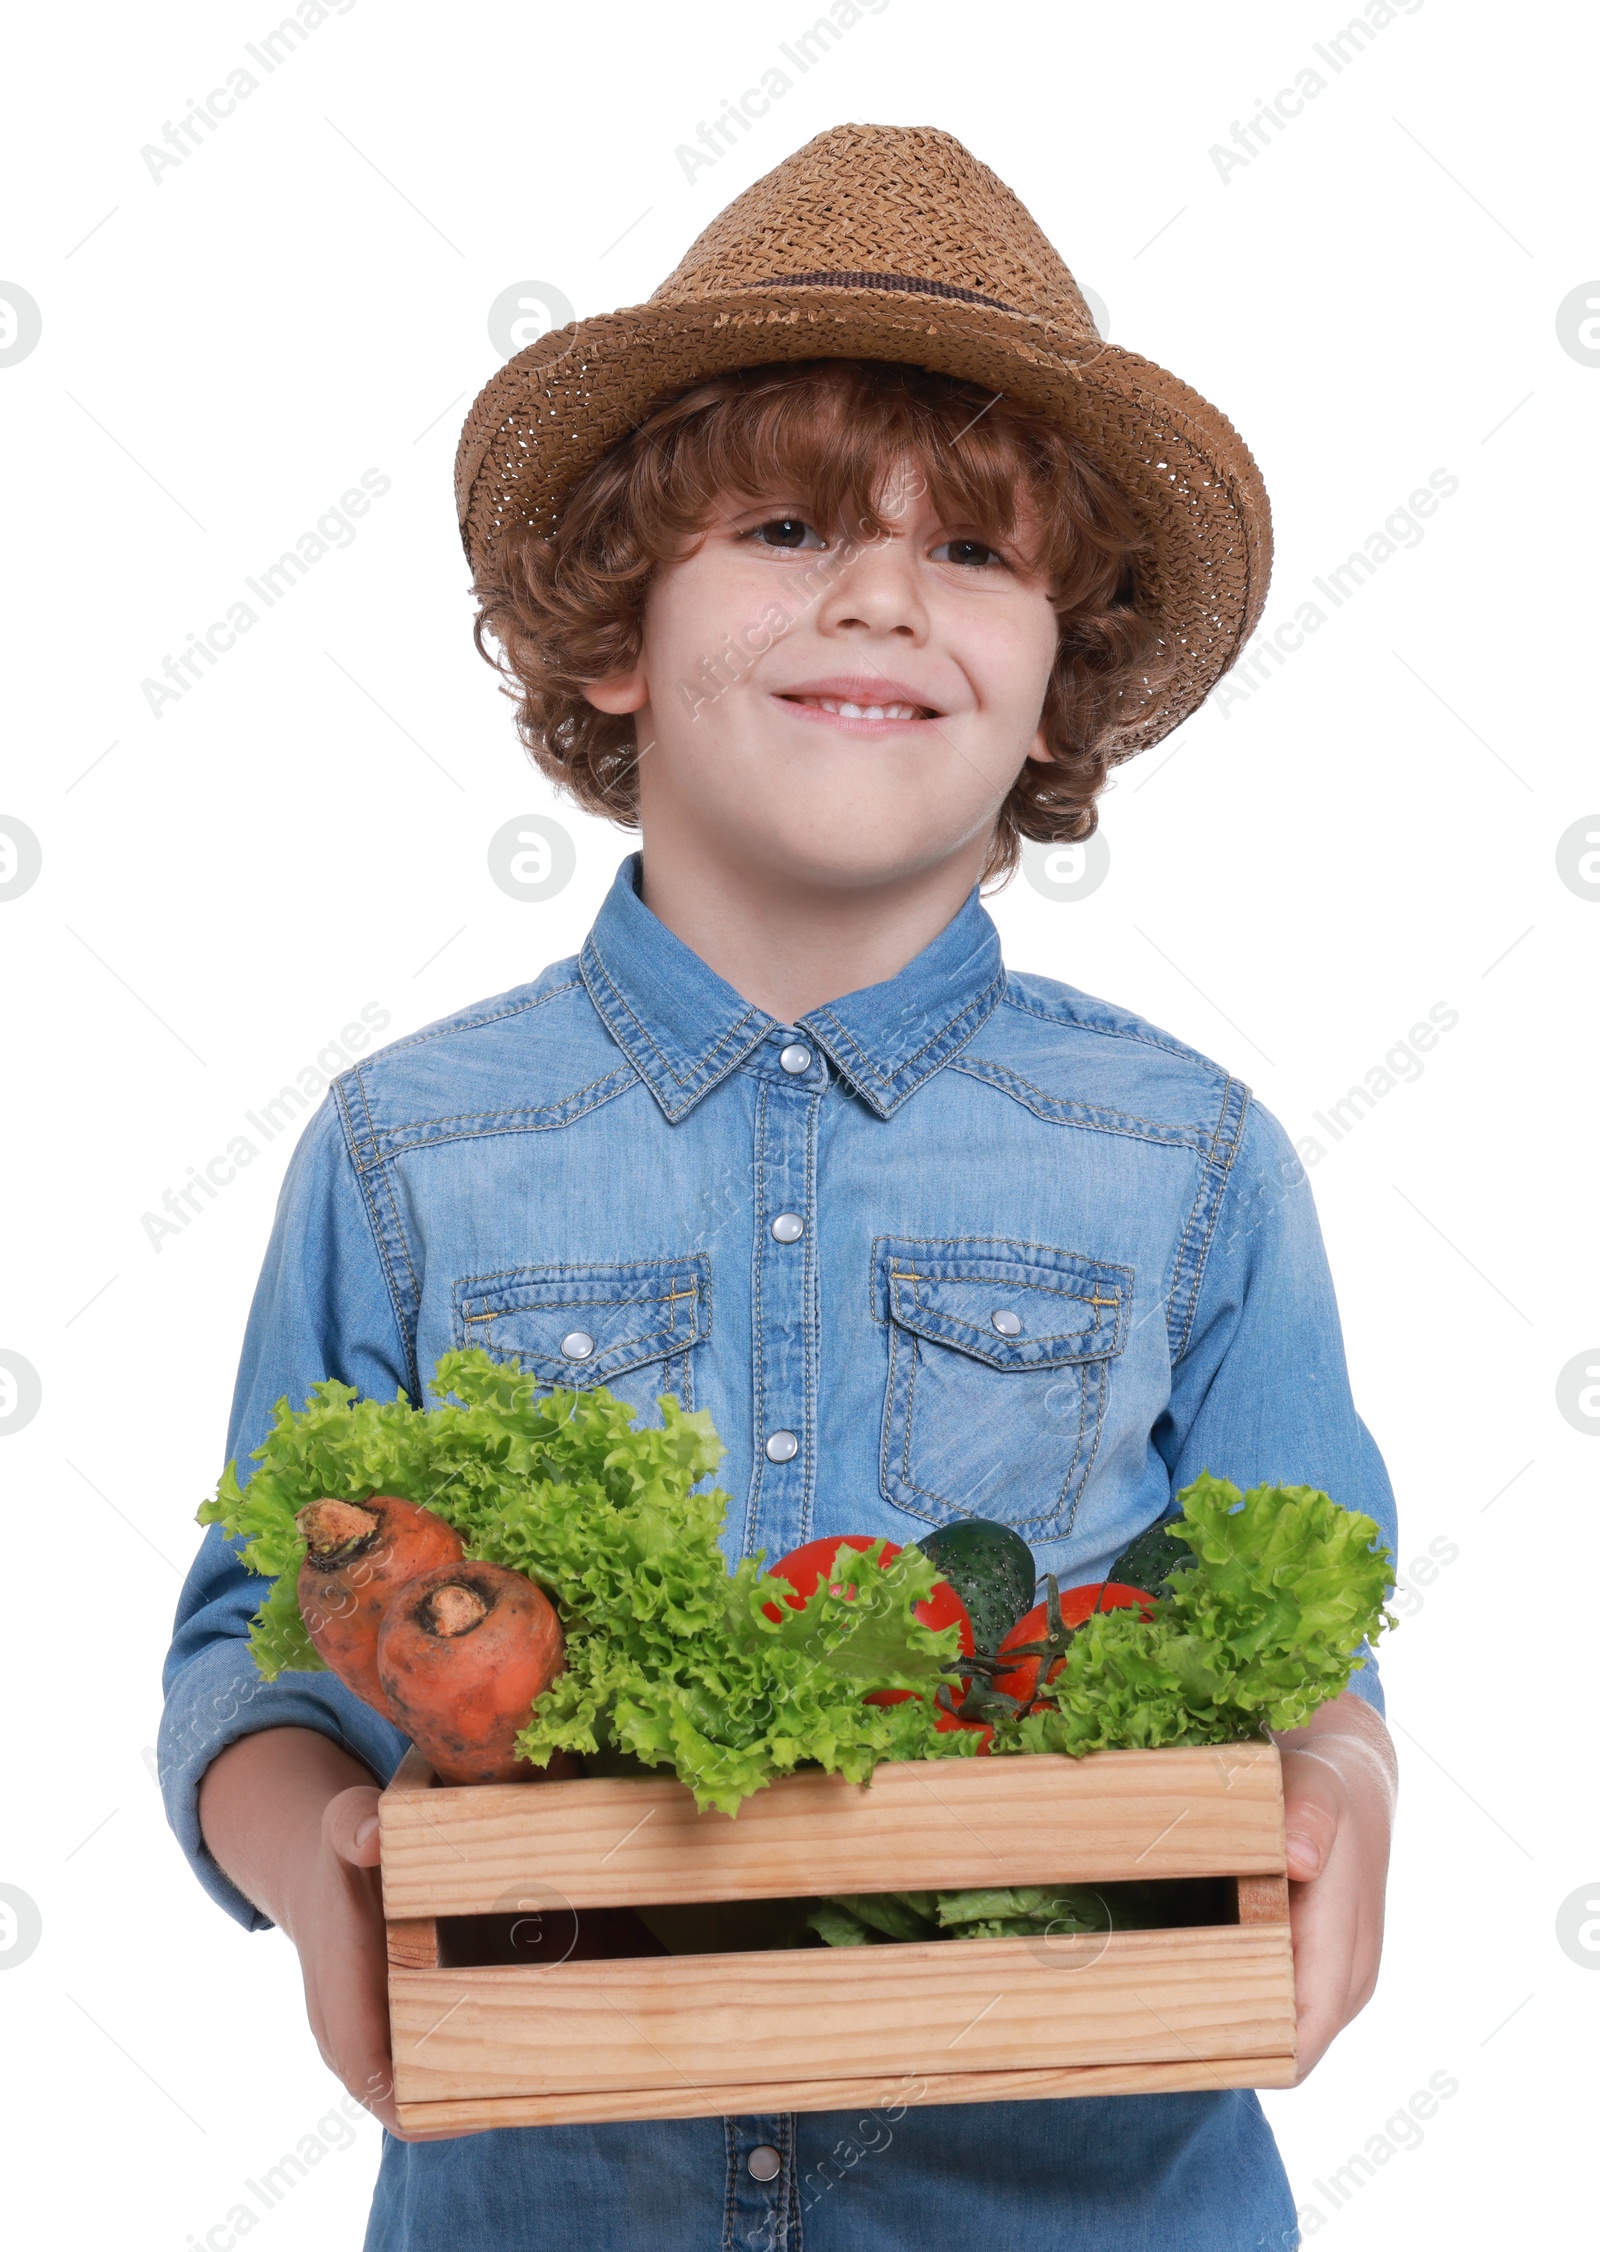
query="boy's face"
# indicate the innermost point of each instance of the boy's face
(837, 713)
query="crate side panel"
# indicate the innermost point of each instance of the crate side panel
(604, 1842)
(475, 2114)
(688, 2023)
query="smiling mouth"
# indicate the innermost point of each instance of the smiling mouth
(843, 707)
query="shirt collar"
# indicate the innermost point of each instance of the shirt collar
(684, 1028)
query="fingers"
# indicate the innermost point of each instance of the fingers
(350, 1826)
(353, 2045)
(1322, 1942)
(1313, 1802)
(343, 1957)
(1336, 1814)
(375, 2092)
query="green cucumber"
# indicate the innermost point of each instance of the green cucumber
(1151, 1560)
(991, 1568)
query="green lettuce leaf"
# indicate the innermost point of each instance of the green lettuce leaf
(670, 1658)
(1037, 1907)
(893, 1915)
(994, 1912)
(866, 1631)
(279, 1642)
(1266, 1627)
(839, 1925)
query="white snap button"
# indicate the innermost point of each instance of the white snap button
(577, 1345)
(795, 1058)
(788, 1227)
(1006, 1322)
(783, 1446)
(764, 2163)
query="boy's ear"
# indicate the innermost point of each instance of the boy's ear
(623, 692)
(1038, 749)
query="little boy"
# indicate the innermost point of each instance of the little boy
(849, 561)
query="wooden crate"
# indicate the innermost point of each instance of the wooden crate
(952, 2021)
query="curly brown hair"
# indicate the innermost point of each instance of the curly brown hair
(567, 606)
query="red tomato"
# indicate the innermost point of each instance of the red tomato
(803, 1569)
(1077, 1604)
(946, 1723)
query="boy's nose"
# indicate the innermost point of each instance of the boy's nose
(877, 592)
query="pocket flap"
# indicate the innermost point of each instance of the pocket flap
(1011, 1305)
(583, 1325)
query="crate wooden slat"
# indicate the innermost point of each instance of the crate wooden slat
(696, 2022)
(814, 2030)
(767, 2096)
(918, 1825)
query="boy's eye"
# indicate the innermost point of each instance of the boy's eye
(788, 532)
(974, 554)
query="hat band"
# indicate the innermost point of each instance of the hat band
(879, 281)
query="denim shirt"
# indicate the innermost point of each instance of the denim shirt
(965, 1243)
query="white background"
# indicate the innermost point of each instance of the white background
(1292, 885)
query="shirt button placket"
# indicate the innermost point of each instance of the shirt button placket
(760, 2184)
(785, 1293)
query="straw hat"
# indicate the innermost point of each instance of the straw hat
(886, 242)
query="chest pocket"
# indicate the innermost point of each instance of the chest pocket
(633, 1326)
(1000, 1359)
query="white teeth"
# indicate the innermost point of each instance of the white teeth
(844, 710)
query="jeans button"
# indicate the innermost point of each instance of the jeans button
(783, 1446)
(788, 1227)
(764, 2164)
(1006, 1322)
(794, 1058)
(577, 1345)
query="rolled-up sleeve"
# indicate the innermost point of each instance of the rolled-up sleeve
(322, 1308)
(1260, 1390)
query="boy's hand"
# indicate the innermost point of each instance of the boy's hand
(337, 1924)
(1339, 1777)
(293, 1820)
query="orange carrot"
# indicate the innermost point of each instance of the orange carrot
(462, 1655)
(358, 1554)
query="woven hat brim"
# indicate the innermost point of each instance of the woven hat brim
(551, 413)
